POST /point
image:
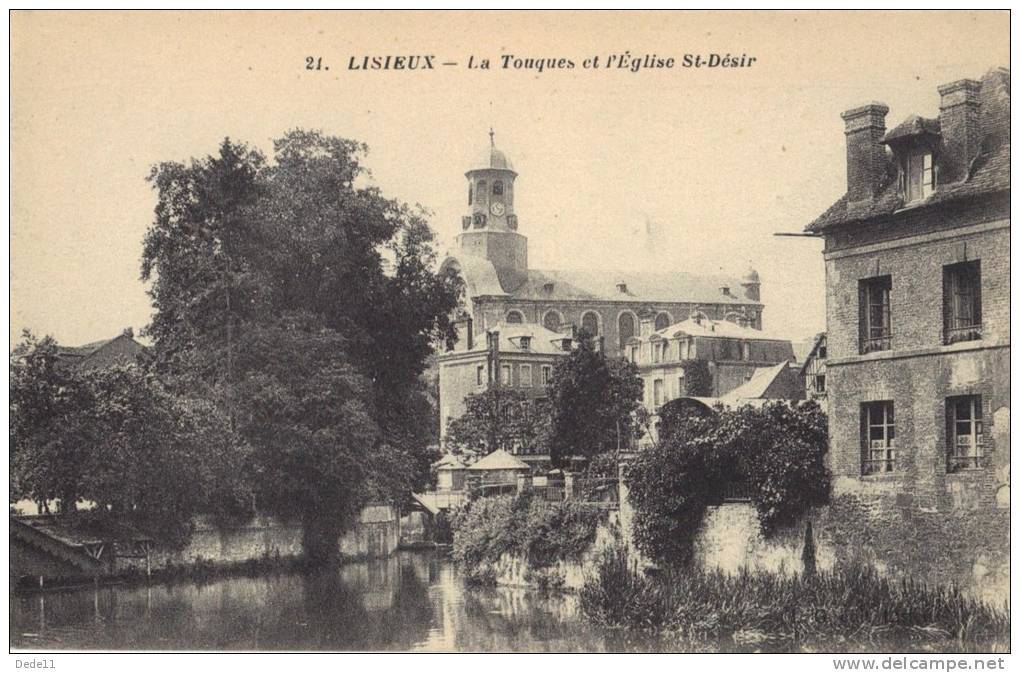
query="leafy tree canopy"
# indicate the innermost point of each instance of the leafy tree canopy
(304, 303)
(500, 418)
(593, 400)
(116, 438)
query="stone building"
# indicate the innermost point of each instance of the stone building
(491, 256)
(731, 352)
(518, 356)
(917, 296)
(813, 370)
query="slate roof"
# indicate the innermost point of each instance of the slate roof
(914, 125)
(988, 173)
(758, 384)
(542, 340)
(597, 285)
(601, 285)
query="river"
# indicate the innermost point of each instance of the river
(410, 601)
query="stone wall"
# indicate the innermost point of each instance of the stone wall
(969, 549)
(376, 535)
(260, 538)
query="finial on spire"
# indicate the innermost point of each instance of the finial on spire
(492, 137)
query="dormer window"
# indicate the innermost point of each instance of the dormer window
(914, 143)
(525, 343)
(918, 176)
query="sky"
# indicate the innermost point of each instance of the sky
(719, 160)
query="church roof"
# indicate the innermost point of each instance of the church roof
(627, 286)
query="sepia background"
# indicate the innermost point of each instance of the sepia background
(677, 169)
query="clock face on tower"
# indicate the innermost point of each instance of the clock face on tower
(496, 208)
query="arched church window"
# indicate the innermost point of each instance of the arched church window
(662, 321)
(552, 321)
(497, 188)
(590, 323)
(514, 317)
(482, 185)
(625, 326)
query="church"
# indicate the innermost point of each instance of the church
(515, 321)
(491, 256)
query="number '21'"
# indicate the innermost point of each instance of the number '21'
(313, 63)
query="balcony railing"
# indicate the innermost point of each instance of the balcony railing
(878, 343)
(878, 466)
(967, 333)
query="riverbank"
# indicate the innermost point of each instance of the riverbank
(847, 609)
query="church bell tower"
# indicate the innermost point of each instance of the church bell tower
(490, 228)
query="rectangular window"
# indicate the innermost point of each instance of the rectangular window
(680, 389)
(961, 301)
(525, 374)
(657, 392)
(920, 176)
(480, 375)
(820, 383)
(546, 374)
(634, 354)
(964, 432)
(683, 349)
(504, 375)
(878, 437)
(875, 317)
(665, 351)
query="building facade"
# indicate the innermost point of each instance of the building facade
(731, 353)
(917, 296)
(813, 371)
(491, 256)
(516, 356)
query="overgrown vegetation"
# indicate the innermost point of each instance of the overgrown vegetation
(775, 454)
(540, 532)
(850, 608)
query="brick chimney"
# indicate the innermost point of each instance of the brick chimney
(960, 121)
(866, 163)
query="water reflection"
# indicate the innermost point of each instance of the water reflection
(411, 601)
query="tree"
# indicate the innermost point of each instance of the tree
(304, 305)
(499, 418)
(593, 400)
(117, 439)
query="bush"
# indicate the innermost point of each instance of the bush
(541, 532)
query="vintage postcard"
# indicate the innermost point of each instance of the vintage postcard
(511, 331)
